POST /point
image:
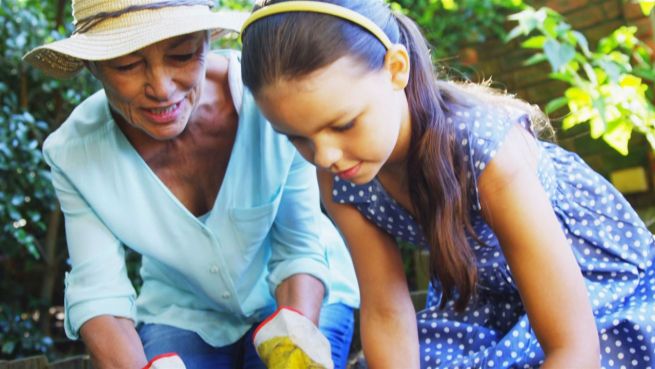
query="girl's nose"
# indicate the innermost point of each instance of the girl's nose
(326, 156)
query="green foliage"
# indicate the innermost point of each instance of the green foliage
(608, 87)
(20, 335)
(232, 41)
(31, 106)
(24, 190)
(451, 25)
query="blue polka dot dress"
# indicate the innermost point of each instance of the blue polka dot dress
(613, 247)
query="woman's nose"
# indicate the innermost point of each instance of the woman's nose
(159, 84)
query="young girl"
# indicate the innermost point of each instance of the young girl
(537, 261)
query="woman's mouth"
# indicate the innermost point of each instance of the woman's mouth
(164, 114)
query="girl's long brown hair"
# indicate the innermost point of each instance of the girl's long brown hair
(292, 45)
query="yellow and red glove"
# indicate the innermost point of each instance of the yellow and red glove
(288, 340)
(165, 361)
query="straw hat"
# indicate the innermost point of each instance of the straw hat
(106, 29)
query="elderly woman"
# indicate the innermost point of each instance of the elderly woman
(173, 160)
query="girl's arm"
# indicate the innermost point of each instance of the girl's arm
(388, 320)
(543, 266)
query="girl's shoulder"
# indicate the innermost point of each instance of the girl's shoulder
(485, 121)
(479, 129)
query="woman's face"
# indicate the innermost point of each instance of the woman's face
(342, 118)
(156, 89)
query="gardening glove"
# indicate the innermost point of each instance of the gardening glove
(288, 340)
(165, 361)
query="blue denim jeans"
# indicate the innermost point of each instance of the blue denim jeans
(336, 323)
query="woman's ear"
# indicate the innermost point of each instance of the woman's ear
(396, 61)
(91, 66)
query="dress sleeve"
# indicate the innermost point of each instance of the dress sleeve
(97, 283)
(296, 243)
(481, 131)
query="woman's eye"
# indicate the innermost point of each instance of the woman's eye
(344, 127)
(126, 67)
(182, 57)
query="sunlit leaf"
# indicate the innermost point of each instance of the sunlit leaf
(618, 136)
(449, 4)
(536, 42)
(558, 54)
(646, 6)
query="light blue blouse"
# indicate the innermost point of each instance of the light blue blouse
(215, 277)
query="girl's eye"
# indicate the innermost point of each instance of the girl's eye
(294, 138)
(182, 57)
(344, 127)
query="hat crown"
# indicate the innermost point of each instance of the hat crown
(88, 8)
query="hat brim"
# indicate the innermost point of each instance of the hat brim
(65, 58)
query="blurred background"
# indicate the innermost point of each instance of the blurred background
(587, 63)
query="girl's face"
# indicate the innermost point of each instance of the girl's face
(156, 89)
(343, 118)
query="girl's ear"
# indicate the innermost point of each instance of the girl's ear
(396, 61)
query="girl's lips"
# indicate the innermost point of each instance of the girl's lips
(350, 173)
(165, 115)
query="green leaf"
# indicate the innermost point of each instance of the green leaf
(645, 73)
(555, 104)
(514, 33)
(630, 81)
(625, 36)
(646, 6)
(612, 70)
(578, 96)
(575, 118)
(535, 59)
(558, 54)
(562, 76)
(591, 73)
(535, 42)
(449, 5)
(582, 41)
(618, 136)
(8, 347)
(650, 136)
(596, 127)
(528, 20)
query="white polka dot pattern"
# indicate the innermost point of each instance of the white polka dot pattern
(614, 249)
